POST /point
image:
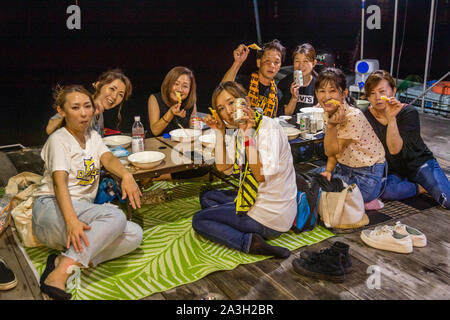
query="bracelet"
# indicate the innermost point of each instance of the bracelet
(249, 142)
(164, 119)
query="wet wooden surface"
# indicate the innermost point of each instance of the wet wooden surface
(423, 274)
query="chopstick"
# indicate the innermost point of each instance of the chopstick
(185, 132)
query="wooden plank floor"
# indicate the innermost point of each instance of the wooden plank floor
(423, 274)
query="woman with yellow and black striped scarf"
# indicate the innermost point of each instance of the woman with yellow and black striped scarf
(265, 205)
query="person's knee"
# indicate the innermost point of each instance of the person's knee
(117, 220)
(136, 232)
(197, 221)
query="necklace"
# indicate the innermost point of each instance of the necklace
(81, 142)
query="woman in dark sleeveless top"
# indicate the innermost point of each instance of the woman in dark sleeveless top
(164, 110)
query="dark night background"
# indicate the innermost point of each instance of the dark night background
(147, 38)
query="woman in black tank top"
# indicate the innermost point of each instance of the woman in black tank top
(165, 111)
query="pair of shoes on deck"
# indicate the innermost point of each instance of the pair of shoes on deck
(330, 264)
(8, 279)
(399, 238)
(260, 247)
(52, 292)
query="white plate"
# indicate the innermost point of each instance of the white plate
(146, 159)
(180, 134)
(292, 133)
(317, 112)
(286, 118)
(114, 141)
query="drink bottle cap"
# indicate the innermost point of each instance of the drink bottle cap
(137, 118)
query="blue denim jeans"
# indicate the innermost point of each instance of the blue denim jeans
(221, 224)
(430, 176)
(110, 236)
(368, 179)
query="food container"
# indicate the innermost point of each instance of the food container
(186, 135)
(118, 140)
(146, 159)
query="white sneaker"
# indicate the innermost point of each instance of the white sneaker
(386, 238)
(417, 237)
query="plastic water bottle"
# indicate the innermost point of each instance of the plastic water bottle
(138, 128)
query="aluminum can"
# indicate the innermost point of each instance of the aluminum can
(305, 122)
(239, 105)
(137, 144)
(313, 125)
(298, 77)
(196, 122)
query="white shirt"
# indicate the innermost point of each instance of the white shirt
(63, 152)
(276, 200)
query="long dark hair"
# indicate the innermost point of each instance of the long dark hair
(337, 77)
(108, 77)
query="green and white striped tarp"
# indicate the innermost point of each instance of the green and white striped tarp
(171, 253)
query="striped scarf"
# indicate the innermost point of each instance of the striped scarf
(270, 109)
(248, 187)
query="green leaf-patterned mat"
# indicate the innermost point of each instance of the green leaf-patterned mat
(171, 253)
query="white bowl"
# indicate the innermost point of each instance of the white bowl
(317, 112)
(208, 140)
(118, 140)
(286, 118)
(292, 133)
(146, 159)
(180, 134)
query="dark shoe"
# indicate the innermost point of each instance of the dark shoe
(52, 292)
(259, 246)
(339, 247)
(322, 266)
(8, 279)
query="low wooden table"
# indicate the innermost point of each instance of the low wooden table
(174, 161)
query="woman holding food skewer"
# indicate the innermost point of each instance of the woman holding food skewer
(355, 154)
(173, 107)
(175, 104)
(265, 205)
(412, 168)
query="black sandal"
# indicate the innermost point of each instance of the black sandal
(52, 292)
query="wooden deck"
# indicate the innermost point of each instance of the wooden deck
(423, 274)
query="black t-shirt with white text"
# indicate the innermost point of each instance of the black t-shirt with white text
(307, 96)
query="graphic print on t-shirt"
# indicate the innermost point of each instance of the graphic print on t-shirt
(306, 99)
(87, 177)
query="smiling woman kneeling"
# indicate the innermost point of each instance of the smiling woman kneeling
(266, 204)
(64, 215)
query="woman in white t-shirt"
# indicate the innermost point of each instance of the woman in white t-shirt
(64, 215)
(265, 205)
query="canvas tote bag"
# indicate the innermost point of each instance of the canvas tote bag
(343, 210)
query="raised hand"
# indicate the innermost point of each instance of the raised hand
(337, 117)
(176, 110)
(294, 90)
(393, 107)
(240, 54)
(215, 124)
